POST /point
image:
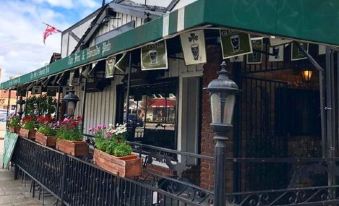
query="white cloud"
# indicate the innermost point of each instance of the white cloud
(90, 4)
(21, 46)
(21, 29)
(57, 3)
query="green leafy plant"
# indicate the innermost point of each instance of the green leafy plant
(29, 125)
(30, 105)
(111, 140)
(101, 144)
(122, 149)
(69, 129)
(40, 105)
(29, 122)
(14, 121)
(47, 130)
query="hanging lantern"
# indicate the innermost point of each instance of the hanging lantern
(306, 75)
(71, 102)
(222, 95)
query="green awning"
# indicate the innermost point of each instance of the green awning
(308, 20)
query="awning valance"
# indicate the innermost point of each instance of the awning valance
(308, 20)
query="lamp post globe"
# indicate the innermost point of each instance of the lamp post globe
(222, 95)
(222, 98)
(71, 101)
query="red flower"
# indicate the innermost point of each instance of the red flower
(28, 118)
(45, 119)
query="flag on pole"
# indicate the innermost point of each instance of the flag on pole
(49, 31)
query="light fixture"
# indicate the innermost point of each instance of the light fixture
(306, 75)
(71, 102)
(222, 95)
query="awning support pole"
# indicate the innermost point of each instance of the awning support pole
(322, 99)
(330, 114)
(128, 85)
(9, 101)
(16, 105)
(58, 104)
(84, 105)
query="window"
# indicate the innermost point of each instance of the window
(152, 115)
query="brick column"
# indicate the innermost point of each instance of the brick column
(214, 60)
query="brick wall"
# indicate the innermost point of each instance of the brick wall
(214, 60)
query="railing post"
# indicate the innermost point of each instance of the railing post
(16, 172)
(63, 180)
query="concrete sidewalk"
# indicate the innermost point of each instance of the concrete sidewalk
(16, 192)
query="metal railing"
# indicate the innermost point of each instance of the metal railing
(76, 182)
(183, 170)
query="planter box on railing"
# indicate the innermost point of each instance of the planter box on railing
(25, 133)
(49, 141)
(74, 148)
(127, 166)
(14, 129)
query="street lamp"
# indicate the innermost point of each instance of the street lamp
(222, 95)
(71, 102)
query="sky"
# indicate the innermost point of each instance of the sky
(21, 28)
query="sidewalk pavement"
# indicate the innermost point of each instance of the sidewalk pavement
(16, 192)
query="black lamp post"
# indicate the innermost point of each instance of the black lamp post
(222, 95)
(20, 102)
(71, 102)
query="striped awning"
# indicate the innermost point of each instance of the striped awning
(307, 20)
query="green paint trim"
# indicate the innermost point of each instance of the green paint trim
(310, 20)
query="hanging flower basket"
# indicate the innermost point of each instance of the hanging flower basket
(49, 141)
(74, 148)
(25, 133)
(126, 166)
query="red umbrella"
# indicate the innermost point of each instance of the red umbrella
(162, 103)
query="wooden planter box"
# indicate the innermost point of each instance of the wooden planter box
(49, 141)
(25, 133)
(128, 166)
(14, 129)
(74, 148)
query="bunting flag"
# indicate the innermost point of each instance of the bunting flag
(49, 31)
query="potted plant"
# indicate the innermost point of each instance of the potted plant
(113, 154)
(69, 138)
(14, 124)
(27, 129)
(46, 132)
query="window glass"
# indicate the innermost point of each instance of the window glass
(152, 117)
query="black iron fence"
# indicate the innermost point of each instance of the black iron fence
(76, 182)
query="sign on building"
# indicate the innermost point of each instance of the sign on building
(234, 43)
(110, 67)
(193, 47)
(52, 91)
(36, 90)
(276, 53)
(154, 56)
(296, 52)
(256, 56)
